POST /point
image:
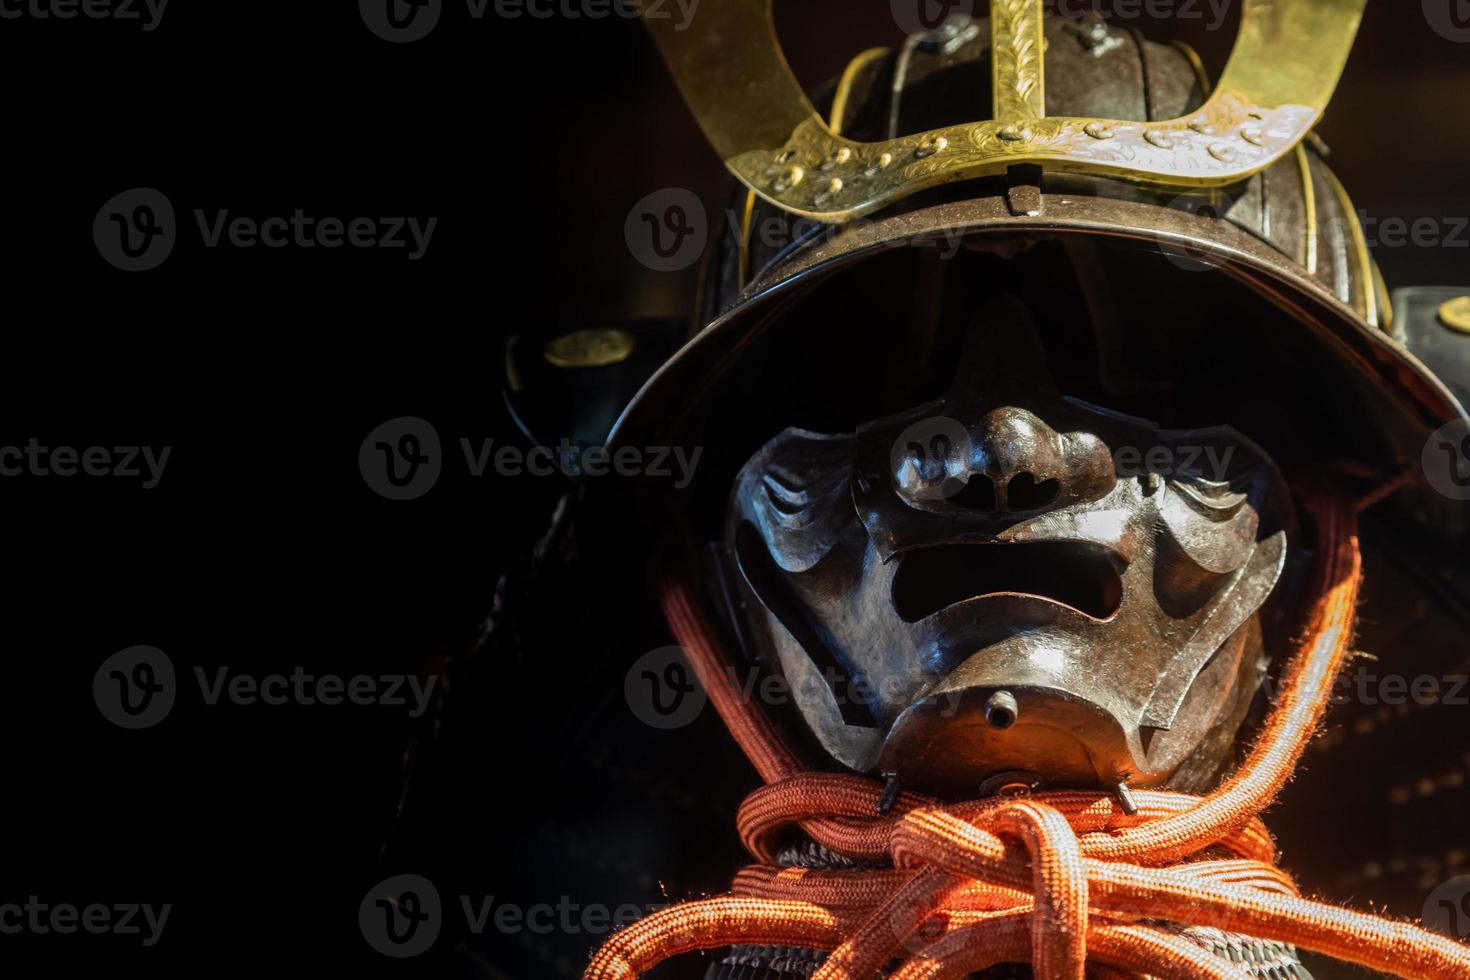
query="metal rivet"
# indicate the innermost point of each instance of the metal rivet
(1159, 138)
(1222, 152)
(837, 159)
(1252, 134)
(1098, 130)
(1202, 125)
(790, 178)
(1014, 132)
(884, 159)
(931, 146)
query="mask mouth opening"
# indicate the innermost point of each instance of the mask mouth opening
(1081, 576)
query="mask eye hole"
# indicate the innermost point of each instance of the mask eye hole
(978, 494)
(1025, 493)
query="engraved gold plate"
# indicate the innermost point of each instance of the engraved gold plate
(729, 67)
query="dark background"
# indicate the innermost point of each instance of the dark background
(262, 548)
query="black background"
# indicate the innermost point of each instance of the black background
(262, 548)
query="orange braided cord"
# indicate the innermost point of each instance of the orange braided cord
(1063, 880)
(710, 924)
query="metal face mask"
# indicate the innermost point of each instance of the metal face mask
(1009, 586)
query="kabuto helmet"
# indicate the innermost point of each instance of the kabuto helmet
(1032, 448)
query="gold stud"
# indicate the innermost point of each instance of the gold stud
(1455, 314)
(931, 146)
(590, 348)
(790, 178)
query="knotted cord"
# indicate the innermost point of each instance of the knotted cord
(1066, 881)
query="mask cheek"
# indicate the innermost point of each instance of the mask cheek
(1218, 541)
